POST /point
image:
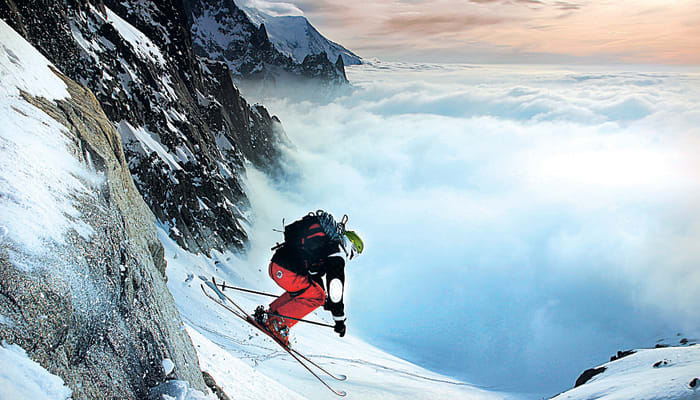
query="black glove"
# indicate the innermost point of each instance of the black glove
(340, 328)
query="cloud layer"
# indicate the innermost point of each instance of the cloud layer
(521, 224)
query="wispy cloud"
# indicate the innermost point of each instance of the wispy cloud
(653, 32)
(438, 24)
(565, 5)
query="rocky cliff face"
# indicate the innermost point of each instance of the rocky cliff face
(185, 129)
(223, 31)
(91, 306)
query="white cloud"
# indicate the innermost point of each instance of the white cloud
(518, 222)
(274, 8)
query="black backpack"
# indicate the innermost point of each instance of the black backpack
(313, 237)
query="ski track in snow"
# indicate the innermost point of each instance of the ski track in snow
(235, 352)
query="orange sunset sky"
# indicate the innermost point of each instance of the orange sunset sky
(525, 31)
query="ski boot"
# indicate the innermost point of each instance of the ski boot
(278, 329)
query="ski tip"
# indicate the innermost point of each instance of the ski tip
(341, 393)
(213, 287)
(342, 378)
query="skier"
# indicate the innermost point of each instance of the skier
(314, 247)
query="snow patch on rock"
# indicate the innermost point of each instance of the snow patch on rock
(168, 366)
(143, 46)
(178, 390)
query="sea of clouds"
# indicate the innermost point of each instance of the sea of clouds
(521, 223)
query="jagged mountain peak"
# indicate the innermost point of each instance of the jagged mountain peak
(296, 37)
(223, 31)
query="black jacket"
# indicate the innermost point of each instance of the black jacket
(331, 267)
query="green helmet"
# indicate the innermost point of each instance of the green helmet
(357, 243)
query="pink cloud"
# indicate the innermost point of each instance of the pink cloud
(651, 31)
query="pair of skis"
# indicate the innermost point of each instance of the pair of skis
(223, 300)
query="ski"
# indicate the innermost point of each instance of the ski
(242, 314)
(222, 299)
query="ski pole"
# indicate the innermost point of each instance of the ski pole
(300, 320)
(225, 286)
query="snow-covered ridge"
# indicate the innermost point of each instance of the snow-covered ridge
(223, 31)
(294, 36)
(667, 373)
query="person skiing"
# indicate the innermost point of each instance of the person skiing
(314, 247)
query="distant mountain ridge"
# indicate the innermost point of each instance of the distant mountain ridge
(294, 35)
(222, 31)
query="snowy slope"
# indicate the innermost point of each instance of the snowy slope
(248, 365)
(36, 186)
(294, 36)
(649, 374)
(22, 378)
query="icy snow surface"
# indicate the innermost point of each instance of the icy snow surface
(635, 377)
(178, 390)
(36, 185)
(22, 67)
(22, 378)
(248, 365)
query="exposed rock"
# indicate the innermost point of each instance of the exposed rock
(96, 311)
(621, 354)
(587, 375)
(209, 380)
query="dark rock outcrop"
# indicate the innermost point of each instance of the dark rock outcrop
(96, 310)
(588, 374)
(214, 387)
(621, 354)
(185, 128)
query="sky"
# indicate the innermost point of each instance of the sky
(521, 224)
(507, 31)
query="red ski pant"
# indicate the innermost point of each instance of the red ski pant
(301, 297)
